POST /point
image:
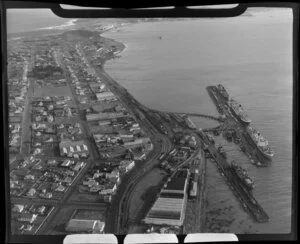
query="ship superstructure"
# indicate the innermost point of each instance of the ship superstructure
(261, 143)
(223, 92)
(238, 112)
(242, 175)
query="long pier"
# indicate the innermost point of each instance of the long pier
(230, 122)
(203, 116)
(219, 119)
(246, 198)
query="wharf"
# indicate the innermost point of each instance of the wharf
(232, 123)
(246, 198)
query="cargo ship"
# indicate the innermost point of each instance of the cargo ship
(223, 92)
(260, 142)
(242, 175)
(238, 112)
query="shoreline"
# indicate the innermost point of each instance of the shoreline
(204, 199)
(121, 47)
(67, 24)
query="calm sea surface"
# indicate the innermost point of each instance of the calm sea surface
(252, 57)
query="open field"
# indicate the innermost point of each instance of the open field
(52, 91)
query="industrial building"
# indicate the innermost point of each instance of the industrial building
(105, 96)
(85, 225)
(103, 116)
(137, 142)
(74, 149)
(169, 208)
(126, 165)
(27, 217)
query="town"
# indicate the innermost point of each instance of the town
(54, 139)
(86, 157)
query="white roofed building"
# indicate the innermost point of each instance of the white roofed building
(74, 149)
(105, 96)
(18, 208)
(137, 142)
(169, 208)
(85, 226)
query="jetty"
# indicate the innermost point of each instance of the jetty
(230, 122)
(245, 196)
(219, 119)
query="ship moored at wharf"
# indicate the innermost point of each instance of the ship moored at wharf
(261, 143)
(257, 146)
(235, 107)
(223, 92)
(242, 175)
(239, 112)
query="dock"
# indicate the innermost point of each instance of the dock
(244, 195)
(232, 123)
(249, 203)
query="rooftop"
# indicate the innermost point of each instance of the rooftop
(176, 184)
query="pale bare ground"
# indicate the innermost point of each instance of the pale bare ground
(52, 91)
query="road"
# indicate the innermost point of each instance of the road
(94, 155)
(26, 118)
(160, 142)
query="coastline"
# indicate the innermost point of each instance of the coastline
(48, 30)
(203, 195)
(210, 212)
(67, 24)
(120, 49)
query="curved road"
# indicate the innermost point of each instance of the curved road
(161, 143)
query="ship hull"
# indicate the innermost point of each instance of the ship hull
(242, 181)
(267, 156)
(262, 156)
(242, 121)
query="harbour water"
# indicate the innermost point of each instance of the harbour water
(167, 66)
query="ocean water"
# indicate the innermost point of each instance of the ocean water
(251, 56)
(23, 20)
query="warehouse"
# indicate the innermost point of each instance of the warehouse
(85, 225)
(27, 217)
(138, 142)
(105, 96)
(104, 116)
(169, 208)
(74, 149)
(126, 137)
